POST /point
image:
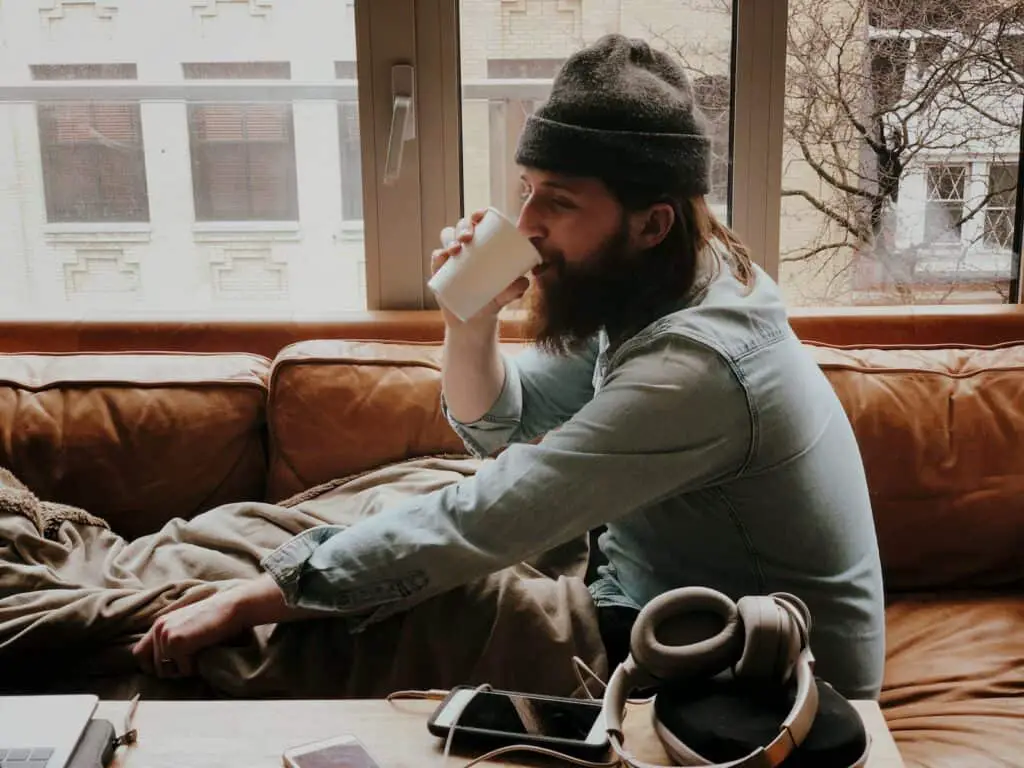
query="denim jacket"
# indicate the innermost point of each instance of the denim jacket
(711, 445)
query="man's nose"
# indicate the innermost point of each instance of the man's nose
(530, 223)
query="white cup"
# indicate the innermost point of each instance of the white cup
(484, 267)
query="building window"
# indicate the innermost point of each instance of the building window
(243, 155)
(94, 166)
(944, 210)
(350, 148)
(1002, 199)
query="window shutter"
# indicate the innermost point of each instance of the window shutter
(93, 162)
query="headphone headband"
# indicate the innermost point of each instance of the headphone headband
(778, 624)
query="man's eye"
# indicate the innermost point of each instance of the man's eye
(562, 202)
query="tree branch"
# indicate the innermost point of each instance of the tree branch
(828, 177)
(810, 254)
(837, 218)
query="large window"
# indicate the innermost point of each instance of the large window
(267, 158)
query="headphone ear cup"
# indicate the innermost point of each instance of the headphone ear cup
(767, 632)
(701, 654)
(798, 611)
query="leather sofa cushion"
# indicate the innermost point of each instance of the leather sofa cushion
(135, 438)
(337, 408)
(941, 431)
(953, 692)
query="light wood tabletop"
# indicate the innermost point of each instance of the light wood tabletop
(252, 734)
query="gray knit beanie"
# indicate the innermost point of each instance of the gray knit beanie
(621, 110)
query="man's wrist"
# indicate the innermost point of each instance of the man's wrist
(259, 601)
(476, 334)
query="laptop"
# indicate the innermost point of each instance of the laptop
(42, 731)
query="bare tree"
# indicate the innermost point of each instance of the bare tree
(877, 90)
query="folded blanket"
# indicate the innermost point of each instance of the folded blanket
(47, 516)
(75, 597)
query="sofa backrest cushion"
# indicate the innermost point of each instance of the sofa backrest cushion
(941, 432)
(136, 438)
(337, 408)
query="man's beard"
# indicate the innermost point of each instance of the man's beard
(614, 288)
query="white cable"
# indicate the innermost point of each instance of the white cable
(579, 664)
(542, 751)
(458, 715)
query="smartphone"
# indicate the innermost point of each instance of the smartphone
(338, 752)
(500, 718)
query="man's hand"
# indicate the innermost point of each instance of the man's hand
(169, 647)
(487, 317)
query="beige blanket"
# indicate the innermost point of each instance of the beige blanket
(72, 605)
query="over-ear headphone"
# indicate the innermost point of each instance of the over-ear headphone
(761, 638)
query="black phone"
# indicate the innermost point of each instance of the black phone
(500, 718)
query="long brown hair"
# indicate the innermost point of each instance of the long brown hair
(694, 228)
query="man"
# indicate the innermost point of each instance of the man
(670, 397)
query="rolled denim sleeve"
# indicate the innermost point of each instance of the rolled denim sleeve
(541, 391)
(670, 419)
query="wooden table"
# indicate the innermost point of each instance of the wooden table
(252, 734)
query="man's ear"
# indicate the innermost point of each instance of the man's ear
(652, 225)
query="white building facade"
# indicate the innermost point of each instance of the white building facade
(209, 167)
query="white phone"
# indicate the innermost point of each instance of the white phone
(339, 752)
(500, 718)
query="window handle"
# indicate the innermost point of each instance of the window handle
(403, 119)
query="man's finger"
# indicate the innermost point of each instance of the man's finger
(143, 652)
(161, 661)
(513, 292)
(478, 216)
(169, 669)
(438, 258)
(465, 229)
(175, 656)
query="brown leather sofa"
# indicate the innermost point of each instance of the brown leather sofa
(227, 412)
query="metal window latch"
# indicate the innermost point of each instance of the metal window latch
(403, 119)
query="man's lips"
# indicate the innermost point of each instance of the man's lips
(540, 268)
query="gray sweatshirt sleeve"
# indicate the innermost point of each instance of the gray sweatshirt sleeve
(541, 391)
(670, 419)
